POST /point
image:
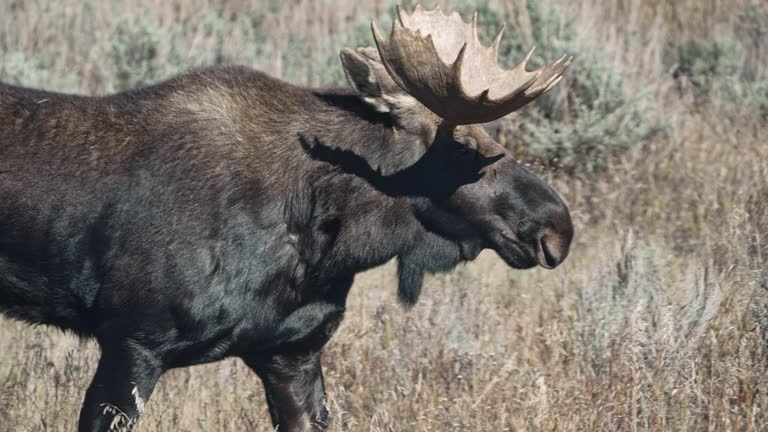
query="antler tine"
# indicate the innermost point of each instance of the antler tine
(459, 62)
(552, 74)
(440, 60)
(521, 66)
(561, 73)
(399, 13)
(554, 83)
(377, 37)
(497, 42)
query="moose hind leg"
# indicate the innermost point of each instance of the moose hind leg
(126, 375)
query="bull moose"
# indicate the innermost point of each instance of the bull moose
(225, 213)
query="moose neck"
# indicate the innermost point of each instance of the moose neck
(350, 134)
(391, 170)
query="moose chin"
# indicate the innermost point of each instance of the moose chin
(225, 213)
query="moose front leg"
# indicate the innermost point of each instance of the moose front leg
(295, 391)
(290, 367)
(125, 377)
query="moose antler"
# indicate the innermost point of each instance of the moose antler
(440, 61)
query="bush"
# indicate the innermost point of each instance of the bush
(18, 68)
(324, 67)
(756, 96)
(592, 116)
(703, 61)
(135, 53)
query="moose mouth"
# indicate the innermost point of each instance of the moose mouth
(522, 255)
(515, 254)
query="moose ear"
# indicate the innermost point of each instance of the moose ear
(364, 76)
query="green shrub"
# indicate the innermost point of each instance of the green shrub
(716, 72)
(702, 61)
(756, 96)
(135, 53)
(16, 67)
(592, 116)
(751, 30)
(324, 67)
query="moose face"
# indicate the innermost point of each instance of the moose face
(507, 208)
(490, 201)
(437, 82)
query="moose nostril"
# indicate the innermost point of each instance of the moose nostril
(550, 260)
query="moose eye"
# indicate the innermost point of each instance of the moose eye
(465, 145)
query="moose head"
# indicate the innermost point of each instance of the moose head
(438, 82)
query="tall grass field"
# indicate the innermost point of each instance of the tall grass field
(657, 138)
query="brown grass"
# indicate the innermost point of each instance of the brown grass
(657, 321)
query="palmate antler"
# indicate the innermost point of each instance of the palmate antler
(440, 61)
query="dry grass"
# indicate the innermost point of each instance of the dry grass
(657, 321)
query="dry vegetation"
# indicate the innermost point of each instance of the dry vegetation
(657, 321)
